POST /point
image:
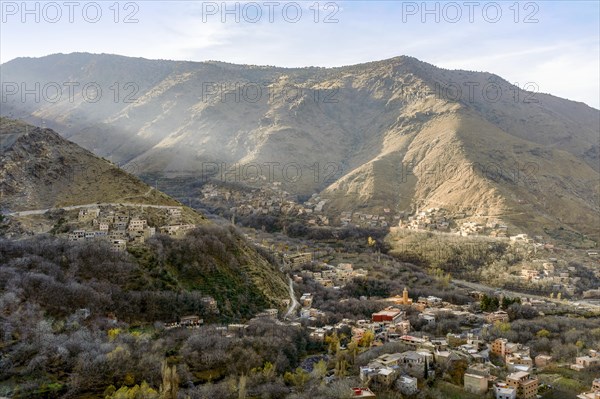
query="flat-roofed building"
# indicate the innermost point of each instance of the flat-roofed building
(499, 316)
(476, 379)
(525, 384)
(594, 393)
(542, 361)
(298, 259)
(118, 245)
(503, 391)
(407, 385)
(137, 224)
(476, 384)
(389, 315)
(519, 362)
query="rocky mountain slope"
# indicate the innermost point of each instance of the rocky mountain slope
(399, 133)
(39, 169)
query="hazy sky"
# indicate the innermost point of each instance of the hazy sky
(554, 44)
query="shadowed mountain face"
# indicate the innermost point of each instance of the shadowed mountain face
(40, 170)
(399, 133)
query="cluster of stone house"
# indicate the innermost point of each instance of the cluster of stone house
(585, 362)
(116, 227)
(298, 259)
(400, 371)
(121, 228)
(430, 219)
(499, 316)
(518, 385)
(336, 276)
(516, 356)
(418, 364)
(373, 220)
(404, 371)
(493, 228)
(470, 229)
(477, 379)
(440, 219)
(267, 200)
(191, 321)
(553, 272)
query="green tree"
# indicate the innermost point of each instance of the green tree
(319, 370)
(543, 333)
(367, 339)
(268, 371)
(143, 391)
(353, 350)
(298, 378)
(495, 304)
(371, 242)
(506, 302)
(333, 342)
(485, 303)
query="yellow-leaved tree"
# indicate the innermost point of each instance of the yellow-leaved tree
(142, 391)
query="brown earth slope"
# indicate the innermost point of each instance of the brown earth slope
(389, 134)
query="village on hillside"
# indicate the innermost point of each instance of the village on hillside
(123, 226)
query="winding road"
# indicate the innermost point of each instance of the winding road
(487, 288)
(294, 302)
(70, 208)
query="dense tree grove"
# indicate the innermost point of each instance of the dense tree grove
(153, 283)
(78, 319)
(90, 355)
(297, 228)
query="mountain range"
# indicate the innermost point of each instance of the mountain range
(398, 133)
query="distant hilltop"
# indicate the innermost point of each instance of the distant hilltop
(397, 134)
